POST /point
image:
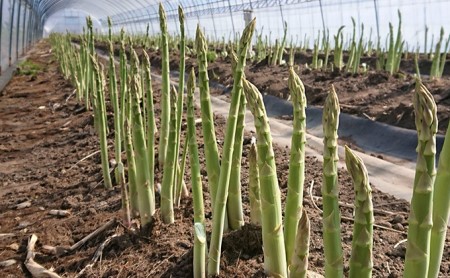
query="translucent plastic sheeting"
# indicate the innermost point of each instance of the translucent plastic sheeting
(70, 20)
(123, 9)
(24, 34)
(305, 18)
(6, 22)
(19, 31)
(13, 44)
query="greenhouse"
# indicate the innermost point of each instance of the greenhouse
(224, 138)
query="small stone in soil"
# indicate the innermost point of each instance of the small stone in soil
(398, 219)
(386, 224)
(398, 226)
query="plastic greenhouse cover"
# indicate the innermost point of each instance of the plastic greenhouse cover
(14, 32)
(6, 21)
(303, 18)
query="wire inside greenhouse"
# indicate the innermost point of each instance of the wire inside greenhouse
(224, 138)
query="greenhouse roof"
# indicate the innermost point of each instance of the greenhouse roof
(133, 10)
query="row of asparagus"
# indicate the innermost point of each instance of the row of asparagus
(387, 52)
(285, 241)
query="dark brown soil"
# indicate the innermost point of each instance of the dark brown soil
(44, 134)
(374, 95)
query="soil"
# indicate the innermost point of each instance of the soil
(375, 94)
(45, 135)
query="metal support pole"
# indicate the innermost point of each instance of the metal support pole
(375, 5)
(425, 27)
(24, 28)
(1, 21)
(150, 23)
(214, 23)
(281, 13)
(231, 17)
(30, 20)
(248, 15)
(32, 28)
(29, 28)
(18, 30)
(11, 32)
(35, 30)
(321, 13)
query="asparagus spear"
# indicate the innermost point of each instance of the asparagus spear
(254, 188)
(296, 176)
(145, 192)
(420, 217)
(169, 165)
(178, 178)
(131, 163)
(330, 189)
(197, 192)
(123, 79)
(115, 101)
(165, 92)
(199, 250)
(272, 226)
(125, 198)
(101, 117)
(209, 135)
(361, 259)
(441, 208)
(151, 125)
(225, 170)
(299, 260)
(234, 202)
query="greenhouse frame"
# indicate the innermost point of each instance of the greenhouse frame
(225, 138)
(26, 21)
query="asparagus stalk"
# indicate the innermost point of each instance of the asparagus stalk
(131, 163)
(351, 55)
(179, 182)
(225, 170)
(87, 75)
(330, 189)
(209, 135)
(272, 226)
(434, 71)
(296, 176)
(170, 165)
(254, 188)
(101, 113)
(441, 208)
(90, 71)
(125, 198)
(199, 250)
(234, 202)
(361, 258)
(416, 63)
(299, 260)
(123, 80)
(145, 192)
(425, 43)
(151, 130)
(283, 45)
(338, 41)
(391, 53)
(420, 217)
(115, 101)
(165, 92)
(197, 191)
(178, 179)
